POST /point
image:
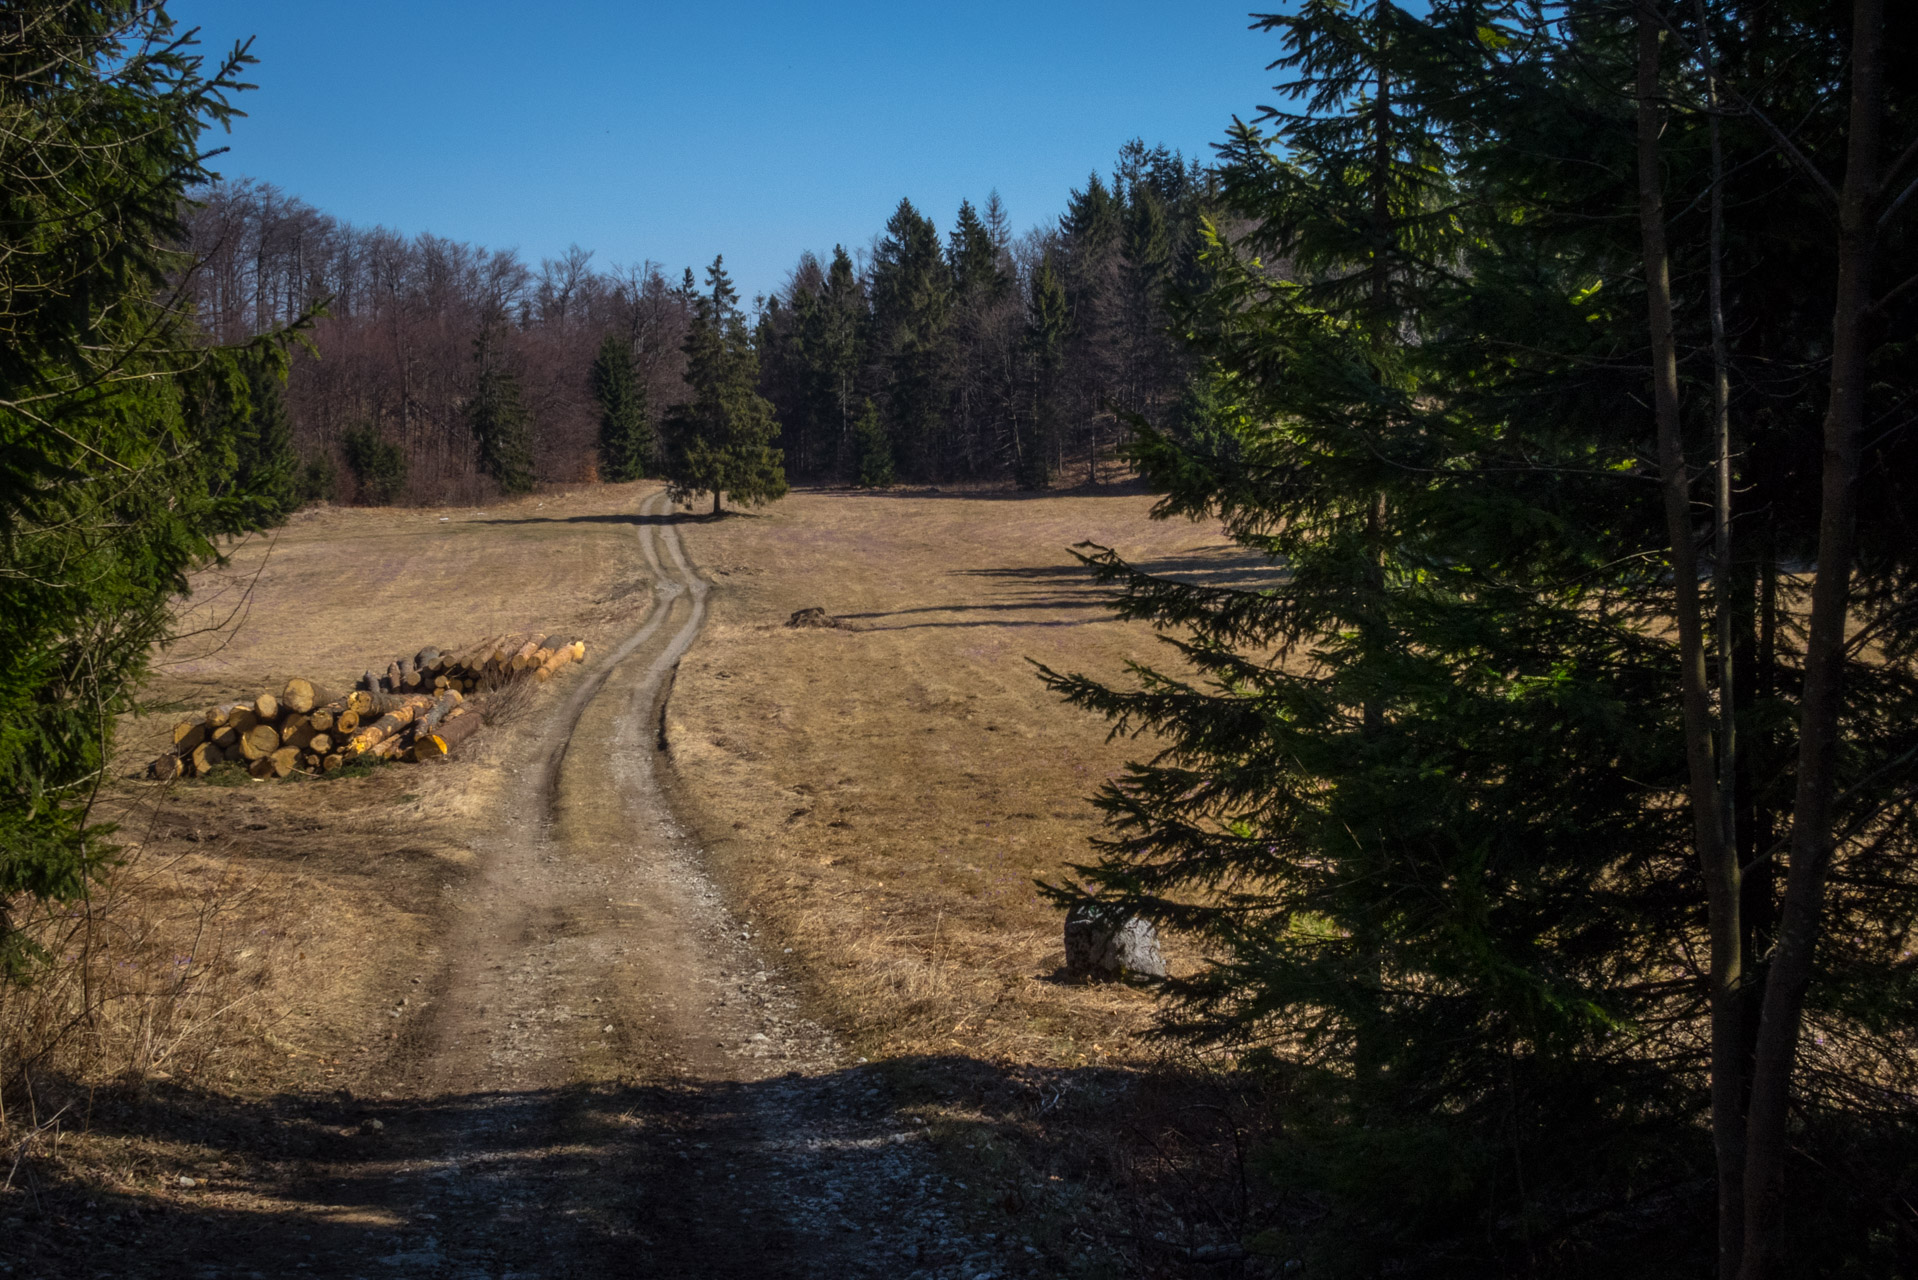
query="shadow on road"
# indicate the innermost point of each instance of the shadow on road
(868, 1171)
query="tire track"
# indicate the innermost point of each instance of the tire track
(607, 1077)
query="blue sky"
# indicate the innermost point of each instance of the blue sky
(677, 131)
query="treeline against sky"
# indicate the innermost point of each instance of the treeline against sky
(972, 355)
(397, 352)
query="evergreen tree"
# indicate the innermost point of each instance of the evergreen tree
(378, 465)
(837, 347)
(911, 312)
(1425, 793)
(625, 426)
(872, 451)
(1092, 233)
(501, 426)
(267, 474)
(721, 440)
(1046, 333)
(121, 432)
(975, 256)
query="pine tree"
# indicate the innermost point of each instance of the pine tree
(625, 427)
(721, 440)
(501, 426)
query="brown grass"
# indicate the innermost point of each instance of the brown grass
(877, 797)
(253, 937)
(885, 794)
(881, 797)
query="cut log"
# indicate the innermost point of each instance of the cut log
(216, 718)
(267, 707)
(320, 744)
(188, 734)
(382, 729)
(297, 732)
(345, 722)
(261, 769)
(206, 757)
(259, 742)
(368, 680)
(284, 761)
(331, 762)
(447, 736)
(242, 720)
(522, 656)
(166, 766)
(378, 704)
(427, 661)
(447, 703)
(302, 695)
(321, 719)
(226, 738)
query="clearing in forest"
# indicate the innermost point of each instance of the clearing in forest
(722, 951)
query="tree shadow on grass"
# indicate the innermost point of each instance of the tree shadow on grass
(632, 518)
(934, 1166)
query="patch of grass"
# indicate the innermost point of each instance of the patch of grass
(360, 767)
(228, 773)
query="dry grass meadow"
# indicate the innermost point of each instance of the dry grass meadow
(257, 936)
(884, 795)
(876, 799)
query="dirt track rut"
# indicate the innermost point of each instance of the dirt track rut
(607, 1077)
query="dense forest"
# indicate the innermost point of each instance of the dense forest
(976, 355)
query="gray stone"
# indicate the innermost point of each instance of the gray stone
(1102, 945)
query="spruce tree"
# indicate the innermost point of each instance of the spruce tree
(501, 426)
(122, 432)
(872, 451)
(378, 465)
(1037, 438)
(838, 348)
(625, 427)
(268, 470)
(911, 314)
(721, 440)
(1424, 791)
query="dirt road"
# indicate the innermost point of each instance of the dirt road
(606, 1077)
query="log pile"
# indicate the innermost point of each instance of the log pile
(495, 661)
(416, 710)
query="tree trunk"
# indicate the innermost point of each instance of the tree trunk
(1717, 857)
(716, 511)
(1812, 806)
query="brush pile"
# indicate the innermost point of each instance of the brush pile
(417, 709)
